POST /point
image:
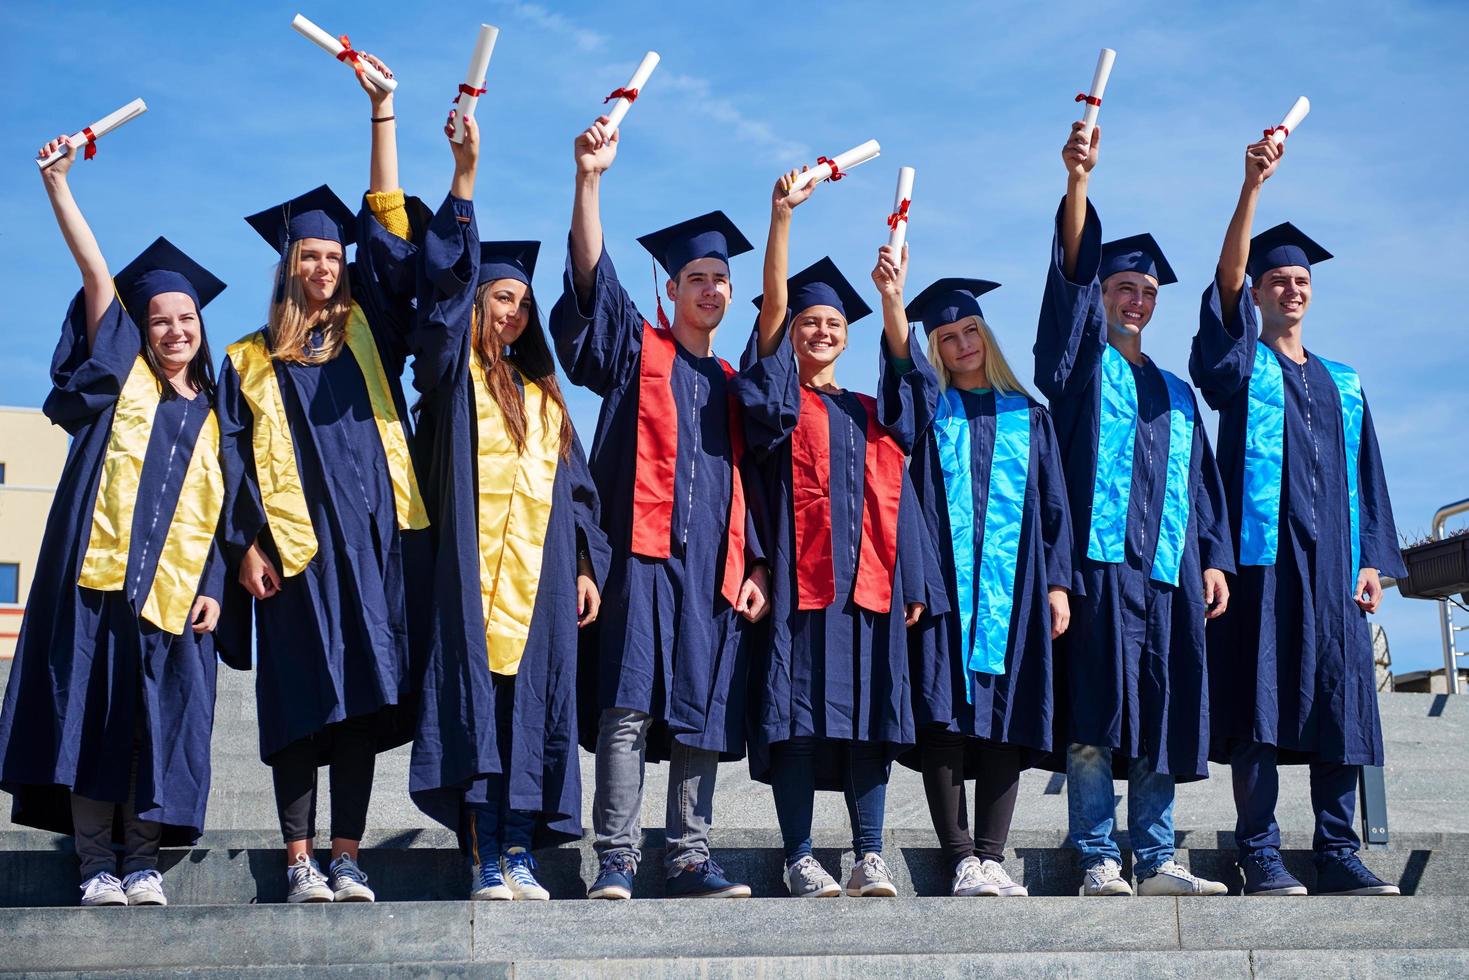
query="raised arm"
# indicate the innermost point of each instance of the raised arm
(1261, 159)
(1080, 156)
(96, 280)
(450, 257)
(595, 149)
(773, 302)
(890, 276)
(383, 173)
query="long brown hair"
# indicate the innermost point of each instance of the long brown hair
(290, 325)
(531, 356)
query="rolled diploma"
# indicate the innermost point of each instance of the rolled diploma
(844, 162)
(900, 228)
(333, 47)
(100, 128)
(479, 64)
(638, 80)
(1099, 86)
(1291, 121)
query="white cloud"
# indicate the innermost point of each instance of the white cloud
(752, 134)
(586, 40)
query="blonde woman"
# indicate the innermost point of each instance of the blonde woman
(986, 468)
(322, 502)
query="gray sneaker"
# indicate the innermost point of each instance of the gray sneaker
(144, 888)
(970, 880)
(1105, 878)
(348, 882)
(870, 879)
(306, 883)
(103, 888)
(1004, 886)
(1172, 878)
(808, 879)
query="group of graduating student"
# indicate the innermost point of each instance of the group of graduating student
(752, 562)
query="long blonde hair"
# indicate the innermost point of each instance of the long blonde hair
(531, 356)
(290, 325)
(1001, 378)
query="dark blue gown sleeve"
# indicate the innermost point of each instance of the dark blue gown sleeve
(907, 400)
(1223, 353)
(85, 381)
(1216, 543)
(1072, 333)
(1056, 534)
(244, 514)
(384, 283)
(769, 390)
(1377, 530)
(439, 340)
(598, 346)
(591, 540)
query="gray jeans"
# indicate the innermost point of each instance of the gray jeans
(92, 830)
(622, 741)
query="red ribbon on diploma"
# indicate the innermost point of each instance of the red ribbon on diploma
(348, 54)
(91, 149)
(899, 215)
(835, 173)
(1089, 100)
(1276, 129)
(470, 91)
(630, 94)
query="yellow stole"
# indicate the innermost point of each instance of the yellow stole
(192, 525)
(279, 480)
(514, 510)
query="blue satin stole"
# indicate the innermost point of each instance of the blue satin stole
(1259, 532)
(1112, 486)
(986, 587)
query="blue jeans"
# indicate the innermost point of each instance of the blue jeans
(793, 781)
(490, 826)
(1257, 787)
(1093, 810)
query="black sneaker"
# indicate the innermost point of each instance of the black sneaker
(1343, 873)
(1265, 874)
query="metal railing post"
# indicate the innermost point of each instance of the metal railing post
(1445, 620)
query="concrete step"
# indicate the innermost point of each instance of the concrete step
(1038, 937)
(240, 867)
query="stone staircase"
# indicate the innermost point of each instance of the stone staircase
(226, 919)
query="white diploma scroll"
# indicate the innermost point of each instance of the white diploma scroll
(628, 94)
(898, 220)
(342, 52)
(474, 78)
(98, 129)
(1291, 121)
(838, 165)
(1093, 98)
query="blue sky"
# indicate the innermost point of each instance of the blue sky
(976, 96)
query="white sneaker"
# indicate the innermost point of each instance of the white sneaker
(970, 880)
(870, 878)
(1105, 878)
(1000, 880)
(103, 888)
(348, 883)
(519, 867)
(306, 882)
(144, 888)
(808, 879)
(1172, 878)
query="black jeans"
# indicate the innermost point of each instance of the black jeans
(995, 789)
(353, 754)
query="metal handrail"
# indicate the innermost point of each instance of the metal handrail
(1445, 619)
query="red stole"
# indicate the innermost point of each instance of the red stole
(811, 499)
(657, 462)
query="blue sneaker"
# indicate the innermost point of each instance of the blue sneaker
(518, 867)
(703, 880)
(614, 877)
(1265, 874)
(1343, 873)
(487, 884)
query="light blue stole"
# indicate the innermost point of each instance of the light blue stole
(1259, 532)
(1112, 486)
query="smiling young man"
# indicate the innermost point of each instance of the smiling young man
(687, 570)
(1147, 507)
(1308, 499)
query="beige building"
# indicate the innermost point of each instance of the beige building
(32, 453)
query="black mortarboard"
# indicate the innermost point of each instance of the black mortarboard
(948, 301)
(1136, 253)
(163, 268)
(1285, 244)
(709, 236)
(822, 284)
(508, 260)
(316, 214)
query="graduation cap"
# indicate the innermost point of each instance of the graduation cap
(163, 268)
(508, 260)
(822, 284)
(948, 301)
(709, 236)
(318, 213)
(1137, 253)
(1285, 244)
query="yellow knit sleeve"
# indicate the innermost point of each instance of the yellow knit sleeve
(389, 210)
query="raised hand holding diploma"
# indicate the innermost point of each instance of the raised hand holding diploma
(898, 220)
(474, 79)
(1277, 134)
(341, 49)
(836, 167)
(1093, 98)
(89, 135)
(628, 94)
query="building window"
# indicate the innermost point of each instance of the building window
(9, 582)
(2, 472)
